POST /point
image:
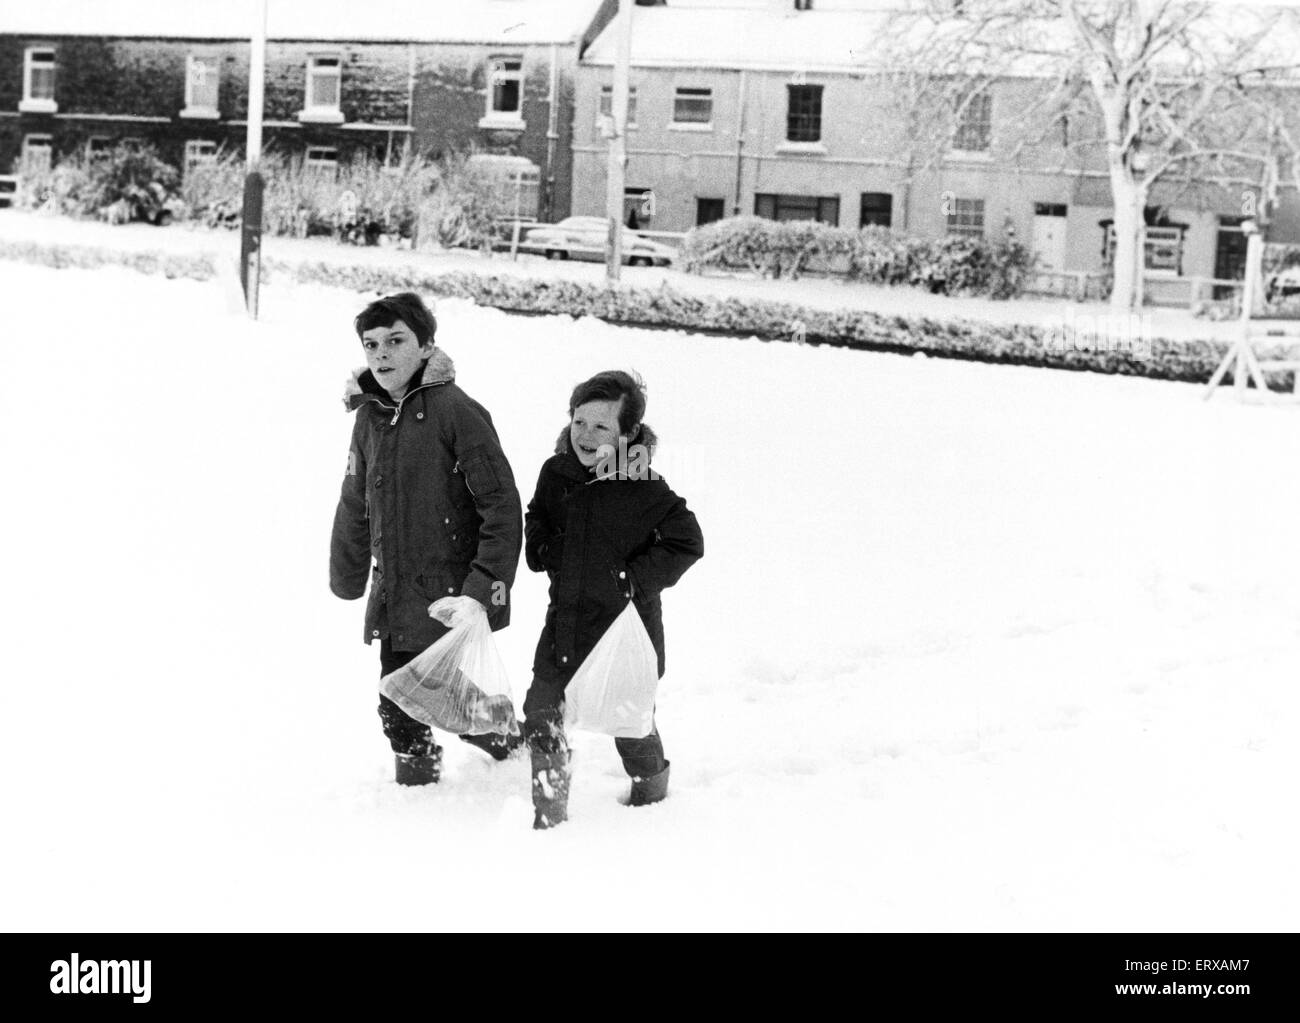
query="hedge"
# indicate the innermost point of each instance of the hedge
(953, 265)
(663, 307)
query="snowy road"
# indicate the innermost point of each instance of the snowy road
(972, 646)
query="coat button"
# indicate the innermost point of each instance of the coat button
(378, 481)
(446, 522)
(564, 660)
(451, 589)
(453, 536)
(375, 633)
(419, 415)
(622, 575)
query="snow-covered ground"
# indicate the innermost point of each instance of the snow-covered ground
(1039, 311)
(971, 647)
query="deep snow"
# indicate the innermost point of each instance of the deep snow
(971, 647)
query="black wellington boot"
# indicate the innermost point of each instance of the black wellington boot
(417, 769)
(551, 774)
(498, 747)
(650, 790)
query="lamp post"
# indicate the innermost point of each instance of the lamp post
(250, 243)
(618, 144)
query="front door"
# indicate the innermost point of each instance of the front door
(1229, 255)
(1049, 236)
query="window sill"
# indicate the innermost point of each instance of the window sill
(690, 126)
(801, 149)
(38, 106)
(320, 116)
(200, 114)
(498, 123)
(968, 156)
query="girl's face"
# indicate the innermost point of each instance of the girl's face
(594, 424)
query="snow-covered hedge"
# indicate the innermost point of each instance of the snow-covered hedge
(663, 307)
(950, 265)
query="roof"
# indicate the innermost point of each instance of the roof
(464, 21)
(855, 37)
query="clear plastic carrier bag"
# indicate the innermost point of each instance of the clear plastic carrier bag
(458, 683)
(613, 690)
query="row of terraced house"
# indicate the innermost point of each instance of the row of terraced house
(736, 106)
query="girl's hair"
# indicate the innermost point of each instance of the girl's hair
(407, 307)
(610, 386)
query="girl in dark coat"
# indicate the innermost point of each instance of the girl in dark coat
(605, 532)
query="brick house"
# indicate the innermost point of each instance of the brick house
(494, 76)
(771, 107)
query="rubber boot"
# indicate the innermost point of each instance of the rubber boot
(551, 774)
(417, 769)
(650, 790)
(497, 746)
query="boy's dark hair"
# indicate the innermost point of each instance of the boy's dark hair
(610, 386)
(407, 307)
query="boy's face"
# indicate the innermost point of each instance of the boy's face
(394, 355)
(594, 424)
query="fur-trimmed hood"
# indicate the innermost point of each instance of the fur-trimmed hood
(362, 385)
(644, 435)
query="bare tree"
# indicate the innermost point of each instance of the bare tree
(1162, 90)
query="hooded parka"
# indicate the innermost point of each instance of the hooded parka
(601, 540)
(428, 507)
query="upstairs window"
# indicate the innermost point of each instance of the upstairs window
(506, 88)
(38, 81)
(324, 88)
(607, 103)
(201, 81)
(693, 106)
(975, 125)
(804, 113)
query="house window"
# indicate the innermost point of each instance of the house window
(877, 209)
(38, 81)
(99, 147)
(966, 216)
(38, 153)
(975, 125)
(693, 106)
(825, 208)
(322, 158)
(202, 75)
(607, 103)
(803, 5)
(1162, 248)
(709, 210)
(324, 85)
(505, 88)
(199, 152)
(804, 113)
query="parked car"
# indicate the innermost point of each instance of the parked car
(1283, 285)
(584, 238)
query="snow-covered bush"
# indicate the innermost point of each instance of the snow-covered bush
(950, 265)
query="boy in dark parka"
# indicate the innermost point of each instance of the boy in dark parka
(603, 539)
(428, 510)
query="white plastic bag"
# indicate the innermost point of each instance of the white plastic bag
(459, 684)
(613, 690)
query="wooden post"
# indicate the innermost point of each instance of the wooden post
(250, 249)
